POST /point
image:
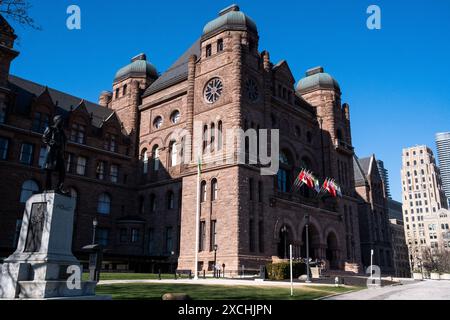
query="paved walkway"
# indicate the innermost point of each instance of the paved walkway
(228, 282)
(422, 290)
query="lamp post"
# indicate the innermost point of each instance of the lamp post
(94, 228)
(215, 260)
(308, 279)
(284, 231)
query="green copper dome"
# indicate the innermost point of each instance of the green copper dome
(316, 78)
(230, 18)
(139, 66)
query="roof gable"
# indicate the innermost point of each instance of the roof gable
(26, 91)
(282, 67)
(176, 73)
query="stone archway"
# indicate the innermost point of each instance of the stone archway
(332, 251)
(314, 242)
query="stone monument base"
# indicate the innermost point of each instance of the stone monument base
(43, 265)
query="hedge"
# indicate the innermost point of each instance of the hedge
(281, 270)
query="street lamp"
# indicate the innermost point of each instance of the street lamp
(308, 279)
(94, 227)
(215, 260)
(284, 231)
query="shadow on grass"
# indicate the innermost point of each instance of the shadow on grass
(215, 292)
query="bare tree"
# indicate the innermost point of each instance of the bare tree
(17, 10)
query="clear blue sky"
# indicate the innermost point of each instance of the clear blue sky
(396, 80)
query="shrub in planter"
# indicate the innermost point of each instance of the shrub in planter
(281, 270)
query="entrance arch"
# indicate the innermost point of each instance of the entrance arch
(314, 242)
(332, 251)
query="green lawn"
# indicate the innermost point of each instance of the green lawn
(215, 292)
(132, 276)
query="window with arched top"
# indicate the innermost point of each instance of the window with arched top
(141, 205)
(175, 117)
(205, 137)
(104, 204)
(173, 150)
(219, 135)
(144, 159)
(203, 191)
(152, 203)
(214, 190)
(170, 200)
(284, 172)
(212, 136)
(339, 134)
(29, 188)
(74, 195)
(155, 153)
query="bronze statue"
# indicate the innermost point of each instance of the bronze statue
(55, 139)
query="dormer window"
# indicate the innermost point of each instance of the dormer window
(111, 143)
(208, 50)
(78, 133)
(220, 45)
(40, 122)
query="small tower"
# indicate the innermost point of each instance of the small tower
(129, 83)
(7, 53)
(323, 92)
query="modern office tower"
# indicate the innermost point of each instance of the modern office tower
(423, 198)
(385, 177)
(443, 149)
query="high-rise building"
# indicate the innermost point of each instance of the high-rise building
(443, 149)
(423, 198)
(384, 174)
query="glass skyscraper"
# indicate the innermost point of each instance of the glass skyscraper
(443, 149)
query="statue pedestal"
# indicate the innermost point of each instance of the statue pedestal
(38, 268)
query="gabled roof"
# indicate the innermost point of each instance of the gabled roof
(5, 27)
(27, 91)
(362, 168)
(176, 73)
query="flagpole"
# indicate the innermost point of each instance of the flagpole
(197, 222)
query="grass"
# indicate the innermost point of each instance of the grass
(132, 276)
(216, 292)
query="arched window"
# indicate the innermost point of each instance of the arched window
(141, 205)
(203, 191)
(173, 149)
(212, 138)
(74, 195)
(214, 189)
(170, 200)
(219, 135)
(144, 159)
(155, 152)
(284, 172)
(175, 117)
(152, 203)
(205, 137)
(29, 188)
(104, 204)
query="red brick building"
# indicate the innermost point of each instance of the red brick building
(124, 157)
